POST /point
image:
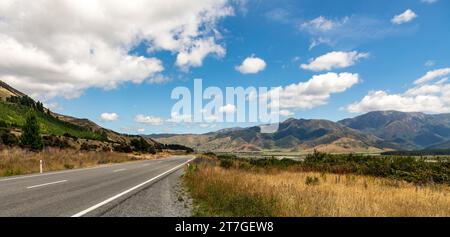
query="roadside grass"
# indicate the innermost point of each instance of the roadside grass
(16, 161)
(235, 191)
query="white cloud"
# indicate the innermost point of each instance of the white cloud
(179, 118)
(251, 65)
(159, 79)
(109, 117)
(405, 17)
(349, 31)
(429, 63)
(285, 113)
(432, 75)
(141, 130)
(320, 24)
(53, 106)
(86, 43)
(334, 60)
(314, 92)
(150, 120)
(426, 96)
(229, 109)
(193, 56)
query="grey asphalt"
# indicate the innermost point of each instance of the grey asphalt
(71, 192)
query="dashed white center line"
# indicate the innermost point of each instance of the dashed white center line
(41, 185)
(145, 165)
(82, 213)
(119, 170)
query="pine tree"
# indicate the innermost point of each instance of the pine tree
(31, 137)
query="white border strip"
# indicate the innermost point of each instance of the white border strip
(41, 185)
(82, 213)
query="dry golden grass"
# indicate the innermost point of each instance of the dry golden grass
(17, 161)
(234, 192)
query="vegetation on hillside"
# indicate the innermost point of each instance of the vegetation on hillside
(13, 116)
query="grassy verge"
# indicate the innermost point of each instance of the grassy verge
(223, 189)
(17, 161)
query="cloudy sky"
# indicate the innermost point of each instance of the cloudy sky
(117, 61)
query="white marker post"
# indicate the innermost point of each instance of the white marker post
(40, 166)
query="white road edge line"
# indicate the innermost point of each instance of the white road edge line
(41, 185)
(82, 213)
(115, 171)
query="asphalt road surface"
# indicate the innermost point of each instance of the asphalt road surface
(98, 191)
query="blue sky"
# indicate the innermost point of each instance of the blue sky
(392, 56)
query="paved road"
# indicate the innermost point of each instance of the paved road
(82, 192)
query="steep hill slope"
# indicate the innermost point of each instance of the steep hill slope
(12, 116)
(407, 130)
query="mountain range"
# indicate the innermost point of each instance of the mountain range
(372, 132)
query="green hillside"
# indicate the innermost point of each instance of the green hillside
(13, 116)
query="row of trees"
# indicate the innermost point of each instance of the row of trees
(27, 102)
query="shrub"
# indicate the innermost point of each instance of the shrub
(124, 148)
(226, 164)
(31, 137)
(8, 138)
(53, 141)
(88, 147)
(312, 180)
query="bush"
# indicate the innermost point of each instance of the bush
(226, 164)
(124, 148)
(312, 180)
(53, 141)
(31, 137)
(88, 147)
(141, 145)
(8, 138)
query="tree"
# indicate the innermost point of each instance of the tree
(31, 137)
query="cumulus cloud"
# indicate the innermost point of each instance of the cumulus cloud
(312, 93)
(334, 60)
(149, 120)
(432, 75)
(429, 95)
(405, 17)
(228, 109)
(109, 117)
(87, 43)
(251, 65)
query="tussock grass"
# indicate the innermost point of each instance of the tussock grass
(219, 191)
(16, 161)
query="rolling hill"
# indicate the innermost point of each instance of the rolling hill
(12, 117)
